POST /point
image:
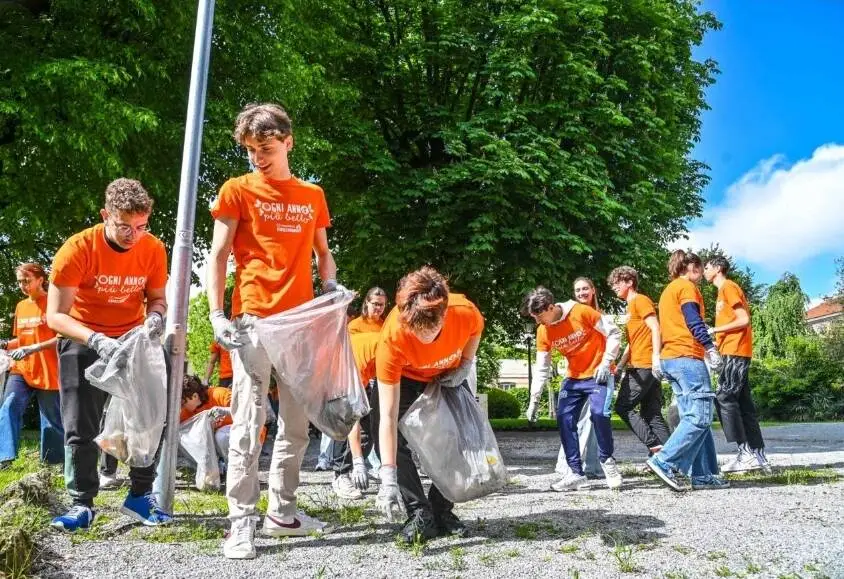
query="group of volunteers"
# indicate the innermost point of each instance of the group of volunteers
(110, 279)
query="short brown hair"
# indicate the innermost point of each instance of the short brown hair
(35, 270)
(624, 273)
(680, 261)
(190, 386)
(422, 298)
(127, 196)
(537, 301)
(262, 121)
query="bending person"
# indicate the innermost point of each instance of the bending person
(590, 345)
(690, 450)
(35, 370)
(430, 335)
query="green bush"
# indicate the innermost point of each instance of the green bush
(523, 396)
(500, 404)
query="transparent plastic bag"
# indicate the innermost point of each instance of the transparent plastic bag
(310, 351)
(196, 439)
(5, 364)
(136, 378)
(455, 443)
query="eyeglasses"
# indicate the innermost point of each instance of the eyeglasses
(379, 304)
(126, 229)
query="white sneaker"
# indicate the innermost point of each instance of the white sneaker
(299, 526)
(612, 474)
(109, 482)
(240, 540)
(743, 461)
(759, 455)
(570, 482)
(345, 489)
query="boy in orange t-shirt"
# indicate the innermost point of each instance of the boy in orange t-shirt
(642, 382)
(105, 281)
(734, 399)
(590, 345)
(34, 371)
(273, 223)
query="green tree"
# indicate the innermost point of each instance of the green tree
(781, 316)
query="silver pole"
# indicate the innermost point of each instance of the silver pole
(180, 268)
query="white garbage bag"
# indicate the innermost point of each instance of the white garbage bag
(455, 443)
(5, 364)
(196, 440)
(310, 351)
(136, 378)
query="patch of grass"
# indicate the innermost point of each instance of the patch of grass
(527, 531)
(752, 568)
(716, 555)
(682, 549)
(569, 548)
(790, 476)
(513, 553)
(574, 574)
(480, 524)
(351, 515)
(489, 559)
(723, 571)
(675, 575)
(185, 532)
(505, 424)
(201, 503)
(624, 559)
(458, 558)
(416, 548)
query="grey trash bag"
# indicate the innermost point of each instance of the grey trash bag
(310, 351)
(673, 414)
(136, 378)
(196, 440)
(455, 443)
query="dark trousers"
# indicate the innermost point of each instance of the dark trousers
(410, 485)
(640, 388)
(82, 411)
(573, 395)
(734, 403)
(339, 451)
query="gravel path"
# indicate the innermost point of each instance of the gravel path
(757, 529)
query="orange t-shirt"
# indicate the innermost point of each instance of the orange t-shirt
(361, 325)
(677, 340)
(737, 342)
(400, 353)
(224, 359)
(41, 369)
(363, 349)
(274, 241)
(112, 285)
(638, 333)
(576, 338)
(222, 397)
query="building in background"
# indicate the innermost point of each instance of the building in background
(821, 316)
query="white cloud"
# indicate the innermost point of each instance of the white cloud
(777, 216)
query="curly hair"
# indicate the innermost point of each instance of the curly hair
(624, 273)
(191, 385)
(127, 196)
(262, 121)
(422, 298)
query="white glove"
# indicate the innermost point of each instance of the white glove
(389, 499)
(331, 285)
(360, 478)
(104, 346)
(602, 373)
(456, 377)
(532, 409)
(713, 359)
(225, 332)
(22, 352)
(656, 367)
(154, 325)
(711, 332)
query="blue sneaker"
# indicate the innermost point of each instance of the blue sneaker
(709, 482)
(78, 517)
(145, 509)
(665, 473)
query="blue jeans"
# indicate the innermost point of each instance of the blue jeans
(15, 401)
(690, 449)
(573, 395)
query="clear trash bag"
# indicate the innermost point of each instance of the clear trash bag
(310, 351)
(5, 364)
(455, 443)
(136, 378)
(196, 440)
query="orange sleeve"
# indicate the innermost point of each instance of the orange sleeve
(68, 266)
(644, 307)
(542, 342)
(158, 276)
(687, 294)
(590, 316)
(732, 296)
(478, 320)
(323, 218)
(220, 396)
(227, 205)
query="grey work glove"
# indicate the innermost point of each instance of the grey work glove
(225, 332)
(656, 367)
(104, 346)
(154, 325)
(389, 500)
(711, 332)
(360, 478)
(533, 408)
(23, 352)
(455, 377)
(3, 344)
(602, 373)
(331, 285)
(713, 359)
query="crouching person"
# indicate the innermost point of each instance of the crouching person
(105, 281)
(430, 335)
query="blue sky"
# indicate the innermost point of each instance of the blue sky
(774, 138)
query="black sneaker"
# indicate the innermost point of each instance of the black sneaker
(450, 526)
(420, 526)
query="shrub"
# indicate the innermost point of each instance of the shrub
(500, 404)
(523, 396)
